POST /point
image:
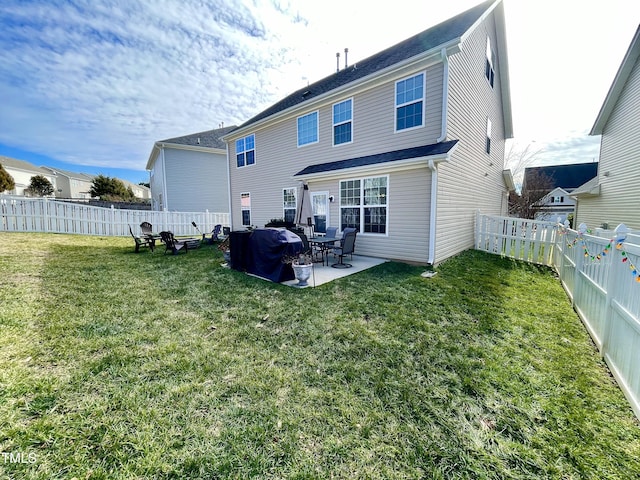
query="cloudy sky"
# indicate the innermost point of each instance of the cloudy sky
(90, 85)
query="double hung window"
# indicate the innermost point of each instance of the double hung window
(410, 102)
(308, 129)
(246, 151)
(245, 208)
(289, 204)
(342, 122)
(489, 71)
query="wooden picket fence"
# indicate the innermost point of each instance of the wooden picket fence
(20, 214)
(600, 273)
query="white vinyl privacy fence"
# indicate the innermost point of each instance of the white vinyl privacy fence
(19, 214)
(600, 273)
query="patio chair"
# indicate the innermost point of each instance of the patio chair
(347, 246)
(331, 232)
(171, 244)
(142, 241)
(146, 228)
(215, 234)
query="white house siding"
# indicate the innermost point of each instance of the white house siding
(156, 182)
(620, 156)
(198, 181)
(22, 178)
(472, 179)
(278, 158)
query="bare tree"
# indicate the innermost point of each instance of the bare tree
(518, 159)
(527, 203)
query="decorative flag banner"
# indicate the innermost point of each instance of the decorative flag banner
(616, 242)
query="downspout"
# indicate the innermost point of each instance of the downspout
(165, 200)
(229, 187)
(432, 213)
(445, 95)
(432, 166)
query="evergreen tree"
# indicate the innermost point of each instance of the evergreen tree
(6, 180)
(39, 186)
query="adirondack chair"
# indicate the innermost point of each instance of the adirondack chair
(142, 241)
(171, 244)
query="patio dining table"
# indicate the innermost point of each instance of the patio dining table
(325, 244)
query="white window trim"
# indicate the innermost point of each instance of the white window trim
(424, 103)
(362, 206)
(245, 152)
(317, 113)
(295, 196)
(487, 144)
(489, 57)
(242, 209)
(333, 125)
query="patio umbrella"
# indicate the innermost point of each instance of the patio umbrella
(304, 211)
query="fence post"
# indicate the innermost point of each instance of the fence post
(612, 283)
(577, 282)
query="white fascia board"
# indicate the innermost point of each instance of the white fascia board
(618, 84)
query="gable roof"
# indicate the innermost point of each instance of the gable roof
(22, 165)
(422, 152)
(448, 33)
(207, 139)
(630, 59)
(67, 173)
(567, 177)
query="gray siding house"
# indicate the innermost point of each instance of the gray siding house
(613, 196)
(405, 145)
(189, 173)
(71, 184)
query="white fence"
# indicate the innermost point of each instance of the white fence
(599, 273)
(20, 214)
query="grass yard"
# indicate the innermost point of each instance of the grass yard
(115, 365)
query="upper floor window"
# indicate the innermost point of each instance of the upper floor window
(342, 120)
(246, 151)
(490, 62)
(559, 199)
(410, 102)
(308, 129)
(289, 204)
(488, 144)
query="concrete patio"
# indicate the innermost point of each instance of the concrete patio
(323, 274)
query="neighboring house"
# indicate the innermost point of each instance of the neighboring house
(190, 173)
(405, 145)
(71, 184)
(556, 205)
(558, 182)
(139, 191)
(22, 172)
(614, 196)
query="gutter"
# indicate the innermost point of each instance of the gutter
(445, 95)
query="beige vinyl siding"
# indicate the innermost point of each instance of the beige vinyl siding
(409, 193)
(196, 181)
(278, 157)
(472, 179)
(619, 198)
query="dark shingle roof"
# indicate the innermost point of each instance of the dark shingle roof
(210, 138)
(429, 39)
(404, 154)
(567, 177)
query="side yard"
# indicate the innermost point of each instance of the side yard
(115, 365)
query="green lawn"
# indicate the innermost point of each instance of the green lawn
(115, 365)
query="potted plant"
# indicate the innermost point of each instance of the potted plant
(302, 265)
